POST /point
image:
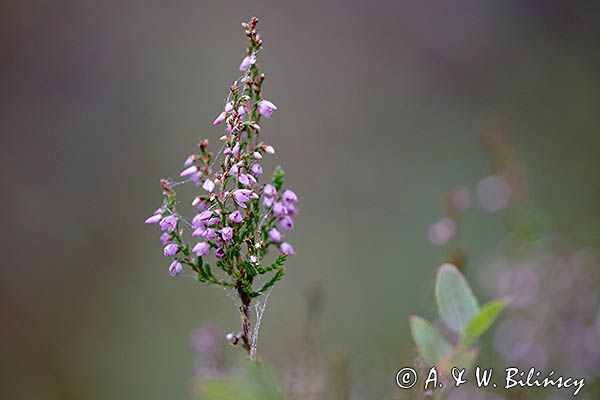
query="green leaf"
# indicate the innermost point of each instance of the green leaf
(278, 176)
(431, 344)
(462, 358)
(483, 320)
(456, 303)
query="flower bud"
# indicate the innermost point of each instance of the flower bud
(175, 268)
(154, 219)
(220, 118)
(171, 249)
(286, 224)
(208, 185)
(236, 217)
(168, 223)
(201, 249)
(189, 171)
(247, 62)
(289, 197)
(274, 235)
(269, 149)
(227, 233)
(286, 248)
(256, 169)
(266, 108)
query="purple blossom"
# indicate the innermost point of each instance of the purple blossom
(289, 197)
(168, 223)
(256, 169)
(165, 238)
(200, 204)
(199, 231)
(247, 180)
(279, 209)
(189, 161)
(220, 118)
(201, 249)
(242, 196)
(268, 201)
(269, 150)
(286, 224)
(220, 253)
(247, 62)
(227, 233)
(266, 108)
(228, 107)
(291, 210)
(241, 111)
(286, 248)
(236, 149)
(154, 219)
(189, 171)
(208, 185)
(175, 268)
(236, 217)
(257, 155)
(275, 235)
(213, 221)
(200, 219)
(269, 190)
(171, 249)
(209, 234)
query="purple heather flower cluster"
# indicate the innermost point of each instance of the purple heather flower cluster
(239, 218)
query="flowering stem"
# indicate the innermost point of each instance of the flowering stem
(245, 311)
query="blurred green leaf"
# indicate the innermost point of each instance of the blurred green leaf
(249, 383)
(278, 176)
(456, 303)
(431, 344)
(462, 358)
(482, 321)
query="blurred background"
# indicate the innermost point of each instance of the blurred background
(383, 107)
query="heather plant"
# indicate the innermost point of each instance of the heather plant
(240, 221)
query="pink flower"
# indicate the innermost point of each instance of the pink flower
(289, 197)
(168, 223)
(201, 249)
(269, 190)
(247, 180)
(286, 224)
(266, 108)
(171, 249)
(155, 219)
(286, 248)
(220, 118)
(189, 171)
(256, 169)
(275, 235)
(236, 217)
(279, 209)
(227, 233)
(208, 185)
(247, 62)
(242, 196)
(175, 268)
